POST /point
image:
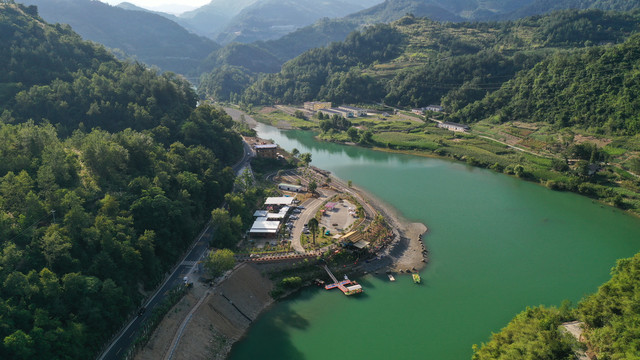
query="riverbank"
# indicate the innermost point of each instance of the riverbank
(407, 250)
(528, 151)
(208, 321)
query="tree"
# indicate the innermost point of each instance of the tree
(313, 186)
(519, 170)
(219, 261)
(313, 228)
(19, 345)
(299, 114)
(295, 152)
(291, 282)
(227, 230)
(306, 159)
(353, 134)
(349, 183)
(366, 137)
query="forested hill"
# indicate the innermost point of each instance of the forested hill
(107, 172)
(610, 318)
(271, 19)
(595, 89)
(146, 36)
(420, 61)
(545, 6)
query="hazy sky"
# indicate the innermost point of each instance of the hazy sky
(156, 3)
(159, 4)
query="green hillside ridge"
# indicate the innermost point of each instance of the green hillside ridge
(325, 31)
(209, 19)
(594, 89)
(266, 56)
(145, 36)
(525, 86)
(545, 6)
(272, 19)
(107, 172)
(434, 60)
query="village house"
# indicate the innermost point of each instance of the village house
(436, 108)
(268, 222)
(316, 105)
(354, 110)
(267, 151)
(453, 126)
(289, 187)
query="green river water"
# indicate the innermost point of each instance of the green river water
(498, 245)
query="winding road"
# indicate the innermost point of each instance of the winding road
(198, 250)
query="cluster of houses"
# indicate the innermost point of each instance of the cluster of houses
(269, 221)
(276, 210)
(326, 109)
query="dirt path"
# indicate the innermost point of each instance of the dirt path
(224, 314)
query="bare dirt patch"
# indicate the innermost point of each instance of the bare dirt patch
(579, 139)
(529, 126)
(267, 110)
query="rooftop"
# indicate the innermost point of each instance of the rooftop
(282, 200)
(267, 146)
(263, 226)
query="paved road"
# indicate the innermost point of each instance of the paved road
(311, 208)
(185, 267)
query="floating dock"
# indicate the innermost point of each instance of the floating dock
(347, 286)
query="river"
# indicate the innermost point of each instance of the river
(498, 245)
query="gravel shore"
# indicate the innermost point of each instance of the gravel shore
(407, 251)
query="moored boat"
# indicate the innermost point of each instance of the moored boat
(416, 278)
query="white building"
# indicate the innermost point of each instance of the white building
(453, 126)
(354, 110)
(264, 227)
(282, 200)
(289, 187)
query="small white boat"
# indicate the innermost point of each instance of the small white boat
(391, 278)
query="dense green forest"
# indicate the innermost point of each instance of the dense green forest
(107, 171)
(422, 61)
(544, 6)
(303, 77)
(610, 319)
(595, 89)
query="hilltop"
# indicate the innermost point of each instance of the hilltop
(145, 36)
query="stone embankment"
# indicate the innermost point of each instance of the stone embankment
(215, 323)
